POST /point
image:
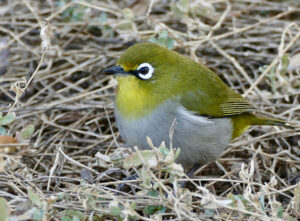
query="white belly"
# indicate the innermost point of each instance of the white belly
(200, 139)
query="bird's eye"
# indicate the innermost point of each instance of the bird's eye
(145, 71)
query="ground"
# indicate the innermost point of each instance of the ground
(61, 156)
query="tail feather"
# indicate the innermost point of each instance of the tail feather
(242, 122)
(272, 122)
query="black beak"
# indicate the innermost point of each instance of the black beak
(114, 70)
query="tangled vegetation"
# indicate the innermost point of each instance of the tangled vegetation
(61, 156)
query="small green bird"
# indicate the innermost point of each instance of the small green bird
(157, 86)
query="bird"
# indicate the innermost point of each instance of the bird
(160, 89)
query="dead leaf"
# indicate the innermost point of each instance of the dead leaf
(294, 61)
(140, 7)
(6, 139)
(103, 160)
(134, 160)
(87, 175)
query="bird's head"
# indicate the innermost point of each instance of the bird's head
(149, 74)
(145, 63)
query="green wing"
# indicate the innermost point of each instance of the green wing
(235, 104)
(200, 89)
(215, 104)
(210, 96)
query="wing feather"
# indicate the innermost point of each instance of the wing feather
(216, 105)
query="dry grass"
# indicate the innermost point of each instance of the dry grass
(72, 164)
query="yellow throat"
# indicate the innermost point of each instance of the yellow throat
(133, 99)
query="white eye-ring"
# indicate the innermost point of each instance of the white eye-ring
(145, 71)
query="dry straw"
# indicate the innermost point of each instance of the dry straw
(70, 167)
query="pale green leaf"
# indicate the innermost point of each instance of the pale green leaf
(27, 132)
(2, 131)
(154, 209)
(128, 14)
(75, 214)
(115, 211)
(289, 218)
(7, 119)
(134, 160)
(103, 17)
(4, 209)
(163, 39)
(262, 202)
(165, 151)
(280, 212)
(35, 199)
(153, 193)
(133, 205)
(177, 153)
(284, 64)
(38, 214)
(66, 218)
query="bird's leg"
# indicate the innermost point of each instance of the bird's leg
(122, 185)
(194, 169)
(190, 174)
